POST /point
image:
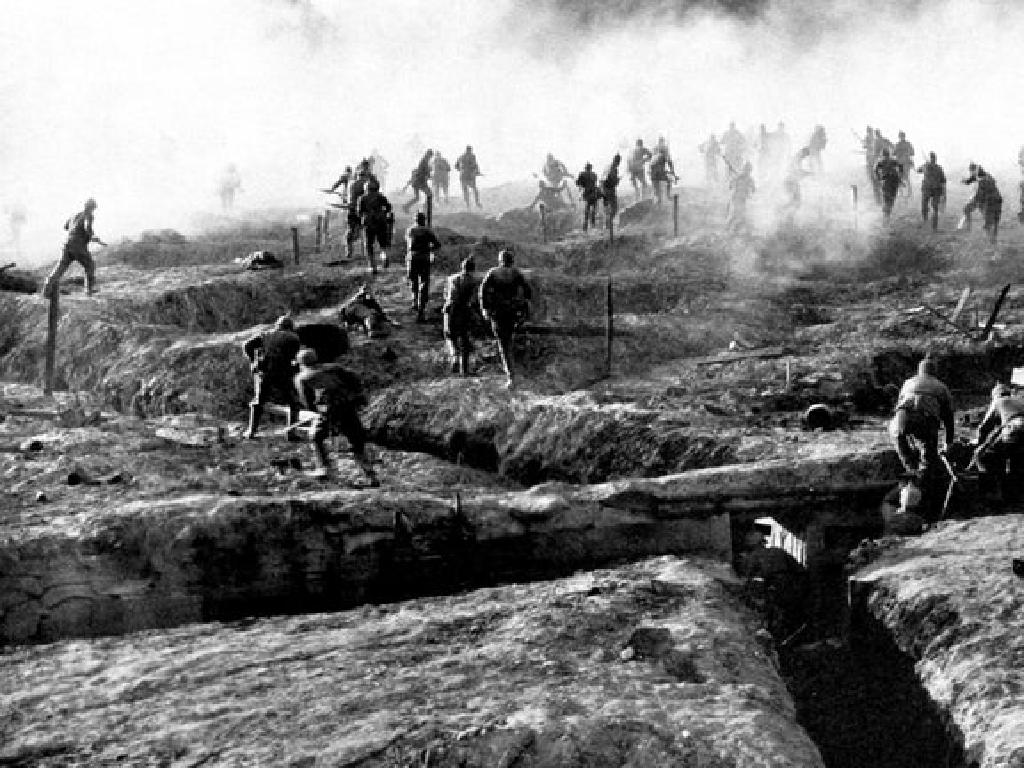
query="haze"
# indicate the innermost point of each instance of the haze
(142, 104)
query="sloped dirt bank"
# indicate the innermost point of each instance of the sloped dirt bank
(652, 664)
(951, 602)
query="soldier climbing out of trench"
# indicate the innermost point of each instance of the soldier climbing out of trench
(271, 356)
(422, 244)
(933, 189)
(548, 196)
(923, 407)
(1000, 451)
(460, 305)
(330, 397)
(343, 181)
(76, 248)
(505, 303)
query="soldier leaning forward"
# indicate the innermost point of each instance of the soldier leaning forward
(1000, 453)
(271, 359)
(332, 396)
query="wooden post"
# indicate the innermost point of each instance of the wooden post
(51, 338)
(430, 210)
(295, 243)
(327, 225)
(609, 329)
(319, 231)
(543, 224)
(675, 215)
(853, 188)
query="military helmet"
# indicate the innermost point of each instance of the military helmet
(421, 218)
(373, 184)
(1000, 390)
(505, 256)
(306, 357)
(90, 203)
(468, 265)
(285, 323)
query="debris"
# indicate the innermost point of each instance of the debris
(764, 353)
(995, 313)
(41, 498)
(258, 260)
(31, 446)
(1018, 567)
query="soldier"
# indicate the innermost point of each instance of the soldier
(637, 173)
(590, 193)
(903, 152)
(363, 309)
(554, 171)
(742, 188)
(440, 174)
(933, 189)
(609, 184)
(1000, 452)
(923, 407)
(377, 219)
(711, 149)
(76, 248)
(230, 184)
(271, 356)
(870, 158)
(333, 395)
(343, 182)
(986, 199)
(791, 184)
(662, 171)
(504, 301)
(460, 303)
(420, 180)
(468, 169)
(422, 243)
(379, 167)
(816, 145)
(889, 174)
(733, 146)
(548, 196)
(356, 189)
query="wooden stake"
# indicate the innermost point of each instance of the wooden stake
(51, 338)
(295, 243)
(430, 210)
(853, 189)
(610, 328)
(675, 215)
(543, 224)
(327, 224)
(319, 232)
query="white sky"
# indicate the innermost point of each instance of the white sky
(141, 103)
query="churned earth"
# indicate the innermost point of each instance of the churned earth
(720, 344)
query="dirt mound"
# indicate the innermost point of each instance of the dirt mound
(531, 439)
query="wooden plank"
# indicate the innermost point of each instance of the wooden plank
(765, 353)
(955, 317)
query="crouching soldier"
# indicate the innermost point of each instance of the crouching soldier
(459, 303)
(332, 397)
(271, 357)
(924, 406)
(1000, 453)
(364, 310)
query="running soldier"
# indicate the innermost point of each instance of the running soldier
(356, 189)
(734, 146)
(816, 145)
(420, 180)
(637, 172)
(662, 172)
(505, 302)
(440, 175)
(903, 152)
(591, 193)
(377, 219)
(468, 169)
(422, 244)
(609, 186)
(933, 190)
(710, 149)
(460, 305)
(889, 174)
(742, 188)
(986, 199)
(76, 248)
(271, 356)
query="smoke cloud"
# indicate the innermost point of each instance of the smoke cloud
(142, 104)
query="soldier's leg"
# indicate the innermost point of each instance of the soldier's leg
(450, 342)
(476, 194)
(465, 349)
(53, 280)
(86, 260)
(909, 456)
(424, 289)
(504, 329)
(346, 420)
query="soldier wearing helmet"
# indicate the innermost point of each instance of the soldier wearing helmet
(468, 169)
(505, 302)
(333, 396)
(1000, 452)
(422, 243)
(76, 248)
(460, 303)
(376, 217)
(270, 357)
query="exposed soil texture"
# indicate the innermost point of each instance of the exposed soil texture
(652, 664)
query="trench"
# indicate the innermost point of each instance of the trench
(857, 694)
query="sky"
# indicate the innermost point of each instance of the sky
(142, 103)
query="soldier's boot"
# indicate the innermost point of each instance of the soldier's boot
(464, 360)
(255, 414)
(321, 461)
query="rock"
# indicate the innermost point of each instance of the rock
(41, 498)
(627, 653)
(31, 446)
